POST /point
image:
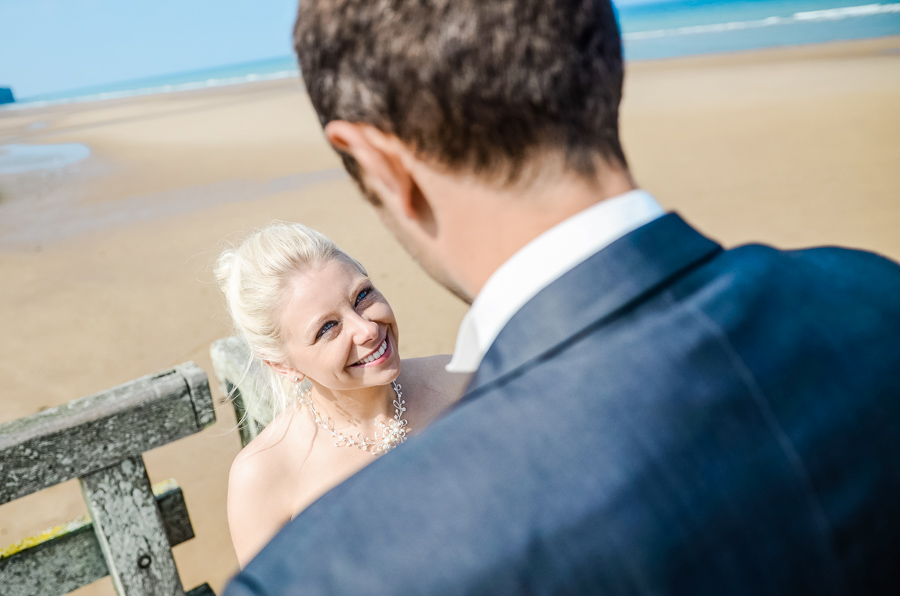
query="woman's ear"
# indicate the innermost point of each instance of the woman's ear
(292, 374)
(382, 159)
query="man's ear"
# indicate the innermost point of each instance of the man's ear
(383, 160)
(287, 371)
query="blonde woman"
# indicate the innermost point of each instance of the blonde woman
(338, 393)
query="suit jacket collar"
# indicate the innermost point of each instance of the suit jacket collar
(607, 282)
(542, 261)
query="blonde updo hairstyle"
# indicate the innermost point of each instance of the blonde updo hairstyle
(254, 275)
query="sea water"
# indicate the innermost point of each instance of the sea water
(651, 29)
(668, 28)
(16, 159)
(232, 74)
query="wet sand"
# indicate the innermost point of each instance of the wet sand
(106, 264)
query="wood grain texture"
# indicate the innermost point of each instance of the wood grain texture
(201, 397)
(71, 558)
(100, 430)
(240, 379)
(129, 528)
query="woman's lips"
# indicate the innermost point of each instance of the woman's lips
(378, 356)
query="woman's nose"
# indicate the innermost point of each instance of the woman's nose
(364, 330)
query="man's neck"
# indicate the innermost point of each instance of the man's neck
(487, 226)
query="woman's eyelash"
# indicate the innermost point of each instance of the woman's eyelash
(365, 293)
(325, 328)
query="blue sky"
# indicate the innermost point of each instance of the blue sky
(55, 45)
(52, 46)
(47, 46)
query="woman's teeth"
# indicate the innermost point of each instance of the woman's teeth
(375, 355)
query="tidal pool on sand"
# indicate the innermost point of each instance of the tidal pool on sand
(16, 159)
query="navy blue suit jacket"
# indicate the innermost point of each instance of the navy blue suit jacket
(666, 418)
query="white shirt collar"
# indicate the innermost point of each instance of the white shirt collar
(541, 262)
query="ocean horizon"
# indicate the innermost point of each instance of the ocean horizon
(651, 30)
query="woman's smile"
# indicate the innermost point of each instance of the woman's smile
(378, 356)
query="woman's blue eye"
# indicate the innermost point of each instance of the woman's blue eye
(362, 295)
(327, 326)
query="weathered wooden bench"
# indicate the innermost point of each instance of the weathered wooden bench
(240, 378)
(130, 528)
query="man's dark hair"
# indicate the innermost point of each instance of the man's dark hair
(473, 85)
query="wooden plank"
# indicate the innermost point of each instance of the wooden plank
(248, 428)
(176, 521)
(201, 398)
(203, 590)
(241, 380)
(130, 530)
(97, 431)
(68, 557)
(230, 357)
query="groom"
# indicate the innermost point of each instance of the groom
(649, 413)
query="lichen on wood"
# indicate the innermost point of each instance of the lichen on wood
(68, 556)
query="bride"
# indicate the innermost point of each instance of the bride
(338, 392)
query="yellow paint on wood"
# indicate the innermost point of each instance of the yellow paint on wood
(46, 535)
(165, 486)
(69, 527)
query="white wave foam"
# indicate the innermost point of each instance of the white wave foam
(282, 74)
(836, 14)
(833, 14)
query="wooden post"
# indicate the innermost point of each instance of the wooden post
(248, 428)
(240, 380)
(130, 530)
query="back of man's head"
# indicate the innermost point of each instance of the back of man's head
(474, 86)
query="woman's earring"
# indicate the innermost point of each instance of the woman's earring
(303, 393)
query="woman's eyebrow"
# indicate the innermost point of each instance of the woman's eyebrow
(358, 287)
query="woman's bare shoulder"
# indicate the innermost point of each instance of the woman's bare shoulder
(289, 465)
(434, 388)
(261, 487)
(270, 463)
(253, 481)
(431, 372)
(436, 362)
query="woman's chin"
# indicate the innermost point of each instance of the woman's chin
(383, 374)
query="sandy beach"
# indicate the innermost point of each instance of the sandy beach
(105, 265)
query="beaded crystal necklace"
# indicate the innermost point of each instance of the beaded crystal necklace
(392, 434)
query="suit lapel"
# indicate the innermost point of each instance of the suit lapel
(608, 281)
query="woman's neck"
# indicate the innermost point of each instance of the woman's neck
(356, 409)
